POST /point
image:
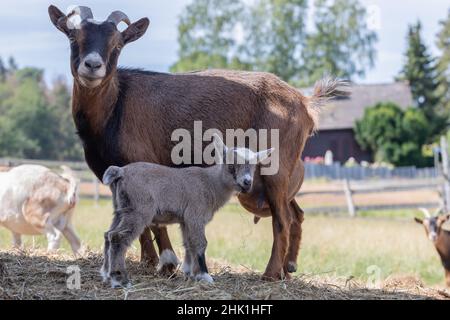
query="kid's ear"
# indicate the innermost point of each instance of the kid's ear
(263, 155)
(418, 220)
(58, 19)
(221, 148)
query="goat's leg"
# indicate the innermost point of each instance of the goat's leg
(149, 257)
(105, 270)
(195, 233)
(295, 237)
(17, 240)
(281, 221)
(72, 238)
(119, 240)
(54, 236)
(168, 261)
(187, 263)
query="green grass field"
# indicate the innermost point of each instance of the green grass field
(335, 246)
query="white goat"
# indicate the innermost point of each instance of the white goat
(146, 193)
(34, 200)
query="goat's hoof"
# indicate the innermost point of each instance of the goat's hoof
(115, 284)
(291, 267)
(275, 276)
(167, 270)
(168, 263)
(104, 275)
(119, 279)
(204, 277)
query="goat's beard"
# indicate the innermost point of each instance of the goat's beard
(90, 83)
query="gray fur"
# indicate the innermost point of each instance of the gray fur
(146, 194)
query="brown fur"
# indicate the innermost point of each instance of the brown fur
(155, 104)
(442, 242)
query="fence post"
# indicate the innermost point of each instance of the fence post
(96, 191)
(349, 199)
(445, 170)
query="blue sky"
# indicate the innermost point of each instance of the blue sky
(27, 34)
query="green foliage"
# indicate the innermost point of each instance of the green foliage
(342, 45)
(275, 38)
(443, 43)
(205, 35)
(420, 70)
(35, 122)
(394, 135)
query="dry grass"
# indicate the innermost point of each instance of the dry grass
(37, 275)
(339, 247)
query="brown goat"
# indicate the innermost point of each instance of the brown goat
(440, 236)
(127, 115)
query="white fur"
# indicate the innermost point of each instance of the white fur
(84, 71)
(104, 274)
(167, 257)
(17, 186)
(204, 277)
(116, 284)
(186, 268)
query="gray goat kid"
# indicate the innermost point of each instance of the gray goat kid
(146, 194)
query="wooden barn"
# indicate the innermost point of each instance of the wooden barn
(337, 120)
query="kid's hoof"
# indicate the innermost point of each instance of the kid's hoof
(120, 284)
(119, 280)
(104, 275)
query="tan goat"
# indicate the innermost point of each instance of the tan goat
(34, 200)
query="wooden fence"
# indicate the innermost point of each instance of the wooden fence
(337, 172)
(353, 181)
(350, 190)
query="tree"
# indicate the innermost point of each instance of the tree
(3, 71)
(420, 70)
(443, 43)
(275, 37)
(394, 135)
(12, 65)
(342, 44)
(205, 35)
(67, 142)
(35, 122)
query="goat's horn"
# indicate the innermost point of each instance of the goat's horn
(84, 12)
(425, 212)
(117, 17)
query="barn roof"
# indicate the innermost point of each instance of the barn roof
(343, 112)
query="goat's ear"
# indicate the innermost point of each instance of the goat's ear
(135, 30)
(263, 155)
(59, 19)
(446, 223)
(418, 220)
(221, 148)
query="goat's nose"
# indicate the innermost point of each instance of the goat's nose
(92, 64)
(247, 182)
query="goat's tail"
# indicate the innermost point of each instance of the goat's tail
(72, 192)
(112, 174)
(324, 90)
